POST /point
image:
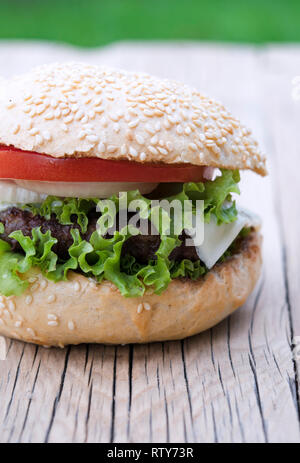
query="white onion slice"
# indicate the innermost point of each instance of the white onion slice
(84, 189)
(211, 173)
(12, 193)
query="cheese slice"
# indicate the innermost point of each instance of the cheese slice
(218, 238)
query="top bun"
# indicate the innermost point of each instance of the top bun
(79, 110)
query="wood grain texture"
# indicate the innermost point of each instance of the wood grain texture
(238, 382)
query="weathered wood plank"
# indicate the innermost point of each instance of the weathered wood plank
(282, 111)
(235, 383)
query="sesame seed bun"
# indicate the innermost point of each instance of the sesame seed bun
(88, 111)
(79, 311)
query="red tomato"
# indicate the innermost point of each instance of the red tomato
(27, 165)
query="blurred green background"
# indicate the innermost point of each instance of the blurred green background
(98, 22)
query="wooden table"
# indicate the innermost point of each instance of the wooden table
(237, 382)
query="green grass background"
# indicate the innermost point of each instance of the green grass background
(98, 22)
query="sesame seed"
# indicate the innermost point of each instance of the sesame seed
(72, 98)
(140, 139)
(139, 308)
(133, 151)
(92, 138)
(148, 113)
(77, 286)
(11, 306)
(52, 323)
(49, 116)
(152, 150)
(101, 147)
(79, 115)
(192, 146)
(68, 119)
(71, 325)
(38, 140)
(134, 123)
(51, 316)
(82, 134)
(40, 109)
(117, 127)
(16, 129)
(124, 150)
(104, 121)
(149, 129)
(30, 331)
(133, 112)
(28, 299)
(112, 148)
(47, 136)
(98, 101)
(53, 104)
(33, 131)
(169, 146)
(162, 150)
(18, 324)
(51, 298)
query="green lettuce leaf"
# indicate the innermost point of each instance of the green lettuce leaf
(67, 210)
(187, 269)
(10, 282)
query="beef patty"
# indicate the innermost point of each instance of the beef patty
(142, 247)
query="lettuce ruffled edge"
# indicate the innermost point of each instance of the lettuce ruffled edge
(101, 258)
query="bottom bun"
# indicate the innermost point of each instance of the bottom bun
(79, 311)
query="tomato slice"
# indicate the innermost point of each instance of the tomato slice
(27, 165)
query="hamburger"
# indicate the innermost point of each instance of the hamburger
(80, 146)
